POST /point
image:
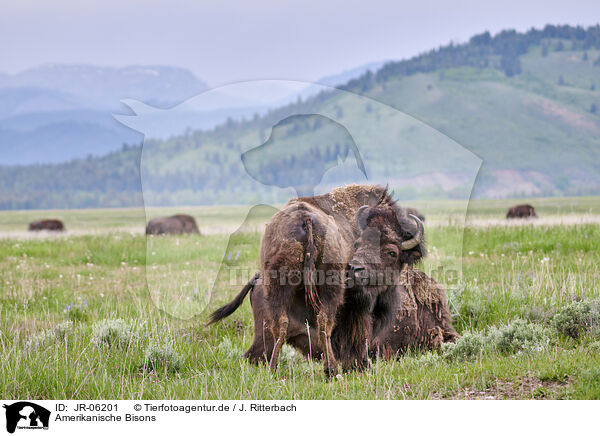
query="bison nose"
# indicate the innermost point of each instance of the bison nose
(354, 267)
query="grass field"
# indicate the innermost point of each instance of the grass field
(78, 319)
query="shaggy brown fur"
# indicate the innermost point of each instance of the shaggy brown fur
(521, 211)
(310, 237)
(423, 320)
(366, 311)
(389, 240)
(172, 225)
(50, 225)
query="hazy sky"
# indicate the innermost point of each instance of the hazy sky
(226, 41)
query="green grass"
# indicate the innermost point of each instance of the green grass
(528, 271)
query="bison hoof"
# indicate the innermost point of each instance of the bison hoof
(256, 358)
(331, 371)
(358, 366)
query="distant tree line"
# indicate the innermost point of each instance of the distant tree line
(508, 45)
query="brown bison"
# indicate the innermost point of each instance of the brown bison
(422, 322)
(397, 308)
(384, 257)
(303, 254)
(521, 211)
(172, 225)
(51, 225)
(388, 241)
(314, 236)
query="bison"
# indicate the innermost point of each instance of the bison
(421, 321)
(407, 308)
(315, 236)
(521, 211)
(303, 254)
(52, 225)
(172, 225)
(385, 318)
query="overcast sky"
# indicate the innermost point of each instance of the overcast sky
(223, 41)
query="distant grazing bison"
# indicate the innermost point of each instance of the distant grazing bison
(172, 225)
(313, 235)
(50, 225)
(521, 211)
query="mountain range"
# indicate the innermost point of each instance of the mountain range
(55, 112)
(525, 103)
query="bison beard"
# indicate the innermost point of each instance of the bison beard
(361, 318)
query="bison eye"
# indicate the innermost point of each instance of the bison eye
(392, 253)
(356, 245)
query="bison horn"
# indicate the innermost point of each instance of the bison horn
(416, 240)
(361, 217)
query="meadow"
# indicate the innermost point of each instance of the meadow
(78, 319)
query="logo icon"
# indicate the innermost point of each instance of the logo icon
(26, 415)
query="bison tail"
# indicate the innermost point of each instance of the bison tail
(229, 308)
(312, 298)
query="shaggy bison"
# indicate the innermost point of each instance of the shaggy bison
(304, 252)
(521, 211)
(387, 242)
(323, 230)
(385, 253)
(388, 305)
(172, 225)
(421, 321)
(52, 225)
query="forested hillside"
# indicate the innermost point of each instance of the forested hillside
(525, 103)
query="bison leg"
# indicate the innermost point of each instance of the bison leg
(325, 326)
(279, 330)
(308, 345)
(262, 345)
(278, 300)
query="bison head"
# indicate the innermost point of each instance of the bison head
(389, 239)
